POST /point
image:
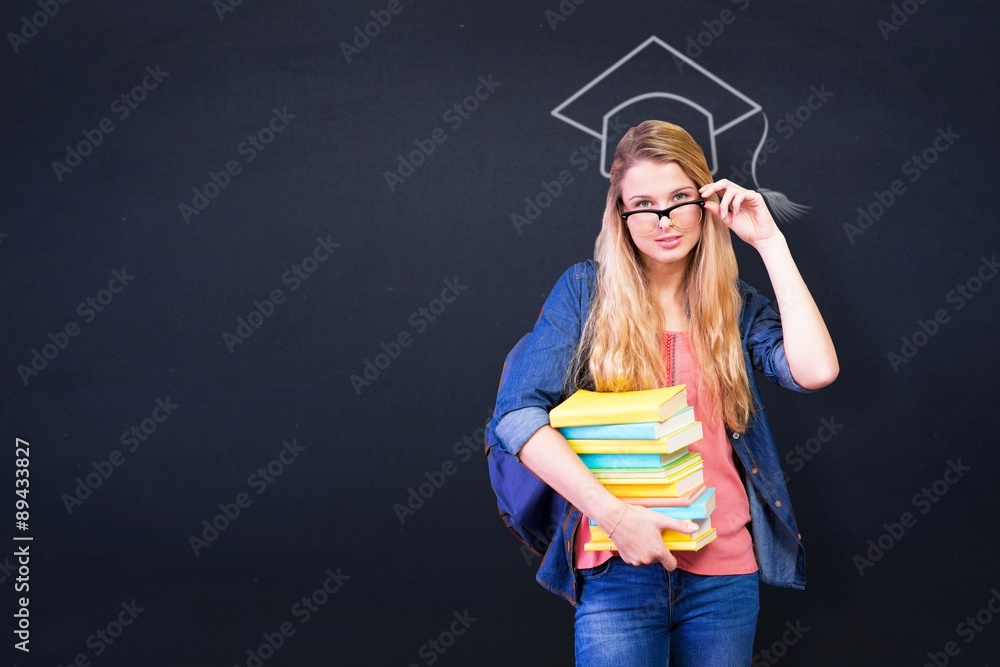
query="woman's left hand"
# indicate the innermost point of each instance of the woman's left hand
(744, 211)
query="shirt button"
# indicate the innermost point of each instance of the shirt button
(736, 436)
(777, 503)
(754, 470)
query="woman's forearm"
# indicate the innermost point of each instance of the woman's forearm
(809, 349)
(549, 456)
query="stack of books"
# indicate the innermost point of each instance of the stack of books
(636, 444)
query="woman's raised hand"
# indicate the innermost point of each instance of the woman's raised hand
(744, 211)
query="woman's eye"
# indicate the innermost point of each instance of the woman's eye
(681, 196)
(645, 203)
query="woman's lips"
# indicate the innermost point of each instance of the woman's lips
(668, 242)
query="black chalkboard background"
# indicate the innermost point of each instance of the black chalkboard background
(287, 197)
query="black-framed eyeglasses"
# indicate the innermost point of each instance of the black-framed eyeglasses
(685, 215)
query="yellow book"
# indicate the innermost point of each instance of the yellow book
(673, 545)
(669, 490)
(597, 533)
(666, 445)
(593, 408)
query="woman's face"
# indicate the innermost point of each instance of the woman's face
(657, 186)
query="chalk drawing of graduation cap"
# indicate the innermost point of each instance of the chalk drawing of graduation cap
(655, 72)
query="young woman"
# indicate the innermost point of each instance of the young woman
(662, 305)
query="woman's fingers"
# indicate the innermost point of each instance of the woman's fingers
(732, 197)
(639, 537)
(668, 562)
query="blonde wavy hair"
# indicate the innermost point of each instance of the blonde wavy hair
(622, 338)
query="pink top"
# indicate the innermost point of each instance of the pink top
(732, 550)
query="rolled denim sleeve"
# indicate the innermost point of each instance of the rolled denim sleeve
(533, 383)
(765, 340)
(518, 426)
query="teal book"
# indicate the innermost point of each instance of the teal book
(701, 508)
(631, 461)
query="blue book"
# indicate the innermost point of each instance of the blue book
(633, 431)
(700, 509)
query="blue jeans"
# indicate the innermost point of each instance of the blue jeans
(645, 616)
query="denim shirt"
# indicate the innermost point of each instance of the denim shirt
(534, 385)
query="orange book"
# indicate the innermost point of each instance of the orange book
(684, 499)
